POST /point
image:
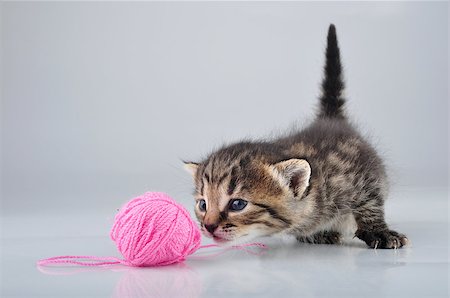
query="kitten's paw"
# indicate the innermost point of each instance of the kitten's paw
(384, 239)
(325, 237)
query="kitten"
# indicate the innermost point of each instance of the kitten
(314, 184)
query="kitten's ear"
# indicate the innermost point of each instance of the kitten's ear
(191, 167)
(294, 173)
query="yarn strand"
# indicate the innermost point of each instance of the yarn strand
(77, 260)
(150, 230)
(93, 261)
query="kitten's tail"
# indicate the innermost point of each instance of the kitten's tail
(331, 100)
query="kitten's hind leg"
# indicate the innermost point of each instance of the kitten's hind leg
(324, 237)
(372, 228)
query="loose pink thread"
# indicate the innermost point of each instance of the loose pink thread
(150, 230)
(102, 261)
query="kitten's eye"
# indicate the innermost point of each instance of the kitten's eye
(237, 204)
(202, 205)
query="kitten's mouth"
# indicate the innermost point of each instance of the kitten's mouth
(219, 239)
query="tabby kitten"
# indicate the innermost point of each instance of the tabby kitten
(314, 184)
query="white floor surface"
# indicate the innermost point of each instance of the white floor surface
(287, 269)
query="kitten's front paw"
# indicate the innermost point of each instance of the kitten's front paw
(383, 239)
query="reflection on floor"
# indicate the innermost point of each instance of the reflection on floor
(287, 269)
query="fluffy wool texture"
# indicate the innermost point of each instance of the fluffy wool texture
(150, 230)
(153, 230)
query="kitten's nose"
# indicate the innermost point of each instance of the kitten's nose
(211, 228)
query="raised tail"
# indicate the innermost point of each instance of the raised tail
(331, 100)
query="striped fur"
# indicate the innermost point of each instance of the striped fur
(317, 184)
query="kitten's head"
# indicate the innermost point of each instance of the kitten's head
(247, 190)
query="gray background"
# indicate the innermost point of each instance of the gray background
(101, 101)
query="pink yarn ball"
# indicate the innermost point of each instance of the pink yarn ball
(153, 230)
